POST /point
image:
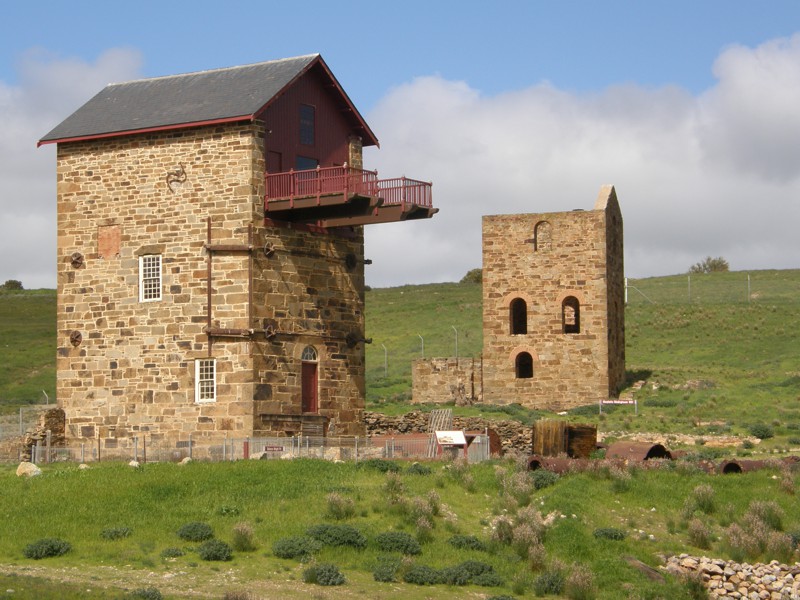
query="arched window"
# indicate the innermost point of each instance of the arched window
(542, 239)
(518, 317)
(309, 380)
(523, 366)
(571, 315)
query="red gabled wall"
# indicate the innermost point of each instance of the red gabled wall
(282, 123)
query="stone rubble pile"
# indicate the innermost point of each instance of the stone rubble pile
(513, 434)
(727, 579)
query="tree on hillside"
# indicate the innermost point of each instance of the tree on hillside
(710, 265)
(12, 284)
(473, 276)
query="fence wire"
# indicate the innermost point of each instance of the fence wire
(145, 450)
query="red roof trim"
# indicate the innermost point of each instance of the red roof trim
(127, 132)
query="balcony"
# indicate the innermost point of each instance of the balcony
(344, 196)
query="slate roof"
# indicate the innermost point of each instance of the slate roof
(177, 101)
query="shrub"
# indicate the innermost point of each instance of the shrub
(11, 284)
(115, 533)
(380, 464)
(542, 478)
(748, 445)
(467, 542)
(703, 496)
(215, 550)
(699, 534)
(195, 532)
(324, 574)
(766, 511)
(296, 547)
(580, 584)
(397, 541)
(422, 575)
(386, 570)
(710, 265)
(476, 567)
(609, 533)
(418, 469)
(243, 538)
(148, 593)
(46, 548)
(762, 431)
(549, 582)
(488, 579)
(338, 535)
(456, 575)
(340, 507)
(172, 553)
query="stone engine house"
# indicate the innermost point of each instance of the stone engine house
(554, 306)
(211, 255)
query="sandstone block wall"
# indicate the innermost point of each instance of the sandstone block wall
(439, 380)
(543, 259)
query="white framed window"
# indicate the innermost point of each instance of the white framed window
(150, 278)
(205, 380)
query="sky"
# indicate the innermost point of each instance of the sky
(689, 108)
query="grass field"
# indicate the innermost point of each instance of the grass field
(655, 511)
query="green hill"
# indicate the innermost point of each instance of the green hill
(719, 351)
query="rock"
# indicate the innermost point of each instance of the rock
(83, 467)
(185, 461)
(28, 469)
(134, 464)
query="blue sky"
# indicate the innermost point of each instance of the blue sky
(507, 106)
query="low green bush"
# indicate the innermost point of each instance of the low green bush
(172, 553)
(609, 533)
(380, 464)
(215, 550)
(419, 469)
(115, 533)
(422, 575)
(195, 532)
(323, 574)
(296, 547)
(542, 478)
(397, 541)
(467, 542)
(455, 575)
(761, 430)
(550, 582)
(148, 593)
(46, 548)
(338, 535)
(489, 579)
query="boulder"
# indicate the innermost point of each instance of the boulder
(28, 469)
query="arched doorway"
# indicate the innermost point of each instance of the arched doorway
(310, 363)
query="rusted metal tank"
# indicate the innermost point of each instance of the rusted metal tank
(637, 451)
(550, 437)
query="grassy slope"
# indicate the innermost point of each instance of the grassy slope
(282, 499)
(27, 348)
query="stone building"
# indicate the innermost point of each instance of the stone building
(211, 255)
(553, 314)
(554, 306)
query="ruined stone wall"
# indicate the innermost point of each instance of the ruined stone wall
(126, 367)
(439, 380)
(543, 260)
(310, 290)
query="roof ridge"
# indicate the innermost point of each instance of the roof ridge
(206, 71)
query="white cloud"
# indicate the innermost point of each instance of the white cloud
(710, 175)
(49, 89)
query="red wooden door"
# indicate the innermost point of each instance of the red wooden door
(309, 385)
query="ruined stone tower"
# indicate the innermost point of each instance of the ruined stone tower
(553, 306)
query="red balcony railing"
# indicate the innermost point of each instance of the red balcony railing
(405, 191)
(347, 181)
(319, 182)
